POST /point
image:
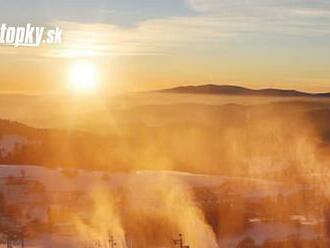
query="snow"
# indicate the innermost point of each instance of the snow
(56, 180)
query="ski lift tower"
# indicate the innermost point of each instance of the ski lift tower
(112, 242)
(179, 242)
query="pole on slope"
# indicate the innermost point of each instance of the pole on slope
(179, 242)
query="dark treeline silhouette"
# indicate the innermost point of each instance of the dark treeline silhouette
(254, 131)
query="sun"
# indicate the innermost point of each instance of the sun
(84, 77)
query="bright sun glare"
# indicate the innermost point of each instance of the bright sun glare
(84, 77)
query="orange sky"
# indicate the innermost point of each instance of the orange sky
(254, 44)
(142, 72)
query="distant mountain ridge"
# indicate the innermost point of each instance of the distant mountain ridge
(238, 90)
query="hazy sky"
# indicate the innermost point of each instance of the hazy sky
(147, 44)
